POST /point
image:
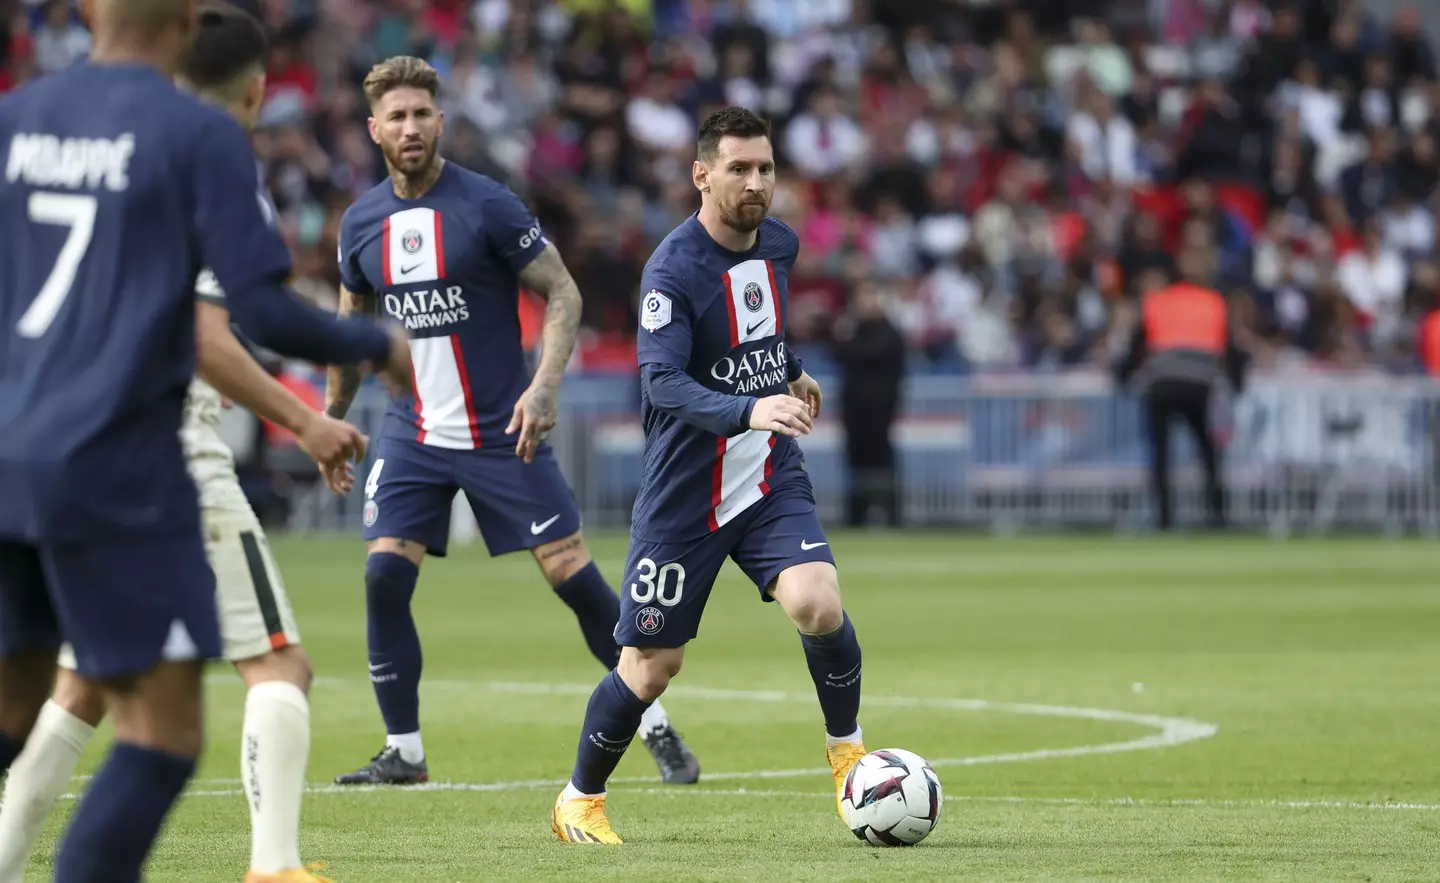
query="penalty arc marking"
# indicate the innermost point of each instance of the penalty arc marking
(1167, 732)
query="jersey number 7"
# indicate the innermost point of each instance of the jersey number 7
(77, 212)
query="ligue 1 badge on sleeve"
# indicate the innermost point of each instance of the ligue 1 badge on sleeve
(371, 512)
(654, 311)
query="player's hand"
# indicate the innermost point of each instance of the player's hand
(397, 373)
(807, 390)
(784, 414)
(339, 476)
(327, 440)
(534, 416)
(227, 403)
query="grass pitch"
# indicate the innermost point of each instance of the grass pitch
(1197, 709)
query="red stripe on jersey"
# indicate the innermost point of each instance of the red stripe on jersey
(730, 310)
(775, 298)
(474, 419)
(440, 274)
(765, 485)
(385, 255)
(717, 478)
(419, 405)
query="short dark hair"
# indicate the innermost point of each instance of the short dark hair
(400, 72)
(729, 121)
(228, 42)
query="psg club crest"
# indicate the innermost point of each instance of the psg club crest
(649, 620)
(371, 512)
(753, 298)
(411, 241)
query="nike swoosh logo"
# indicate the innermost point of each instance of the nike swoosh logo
(846, 674)
(381, 665)
(405, 271)
(537, 529)
(750, 329)
(805, 547)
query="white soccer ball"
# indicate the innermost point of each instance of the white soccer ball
(891, 797)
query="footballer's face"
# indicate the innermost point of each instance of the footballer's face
(407, 125)
(741, 180)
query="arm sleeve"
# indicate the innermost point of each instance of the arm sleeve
(351, 276)
(793, 366)
(233, 223)
(510, 230)
(663, 346)
(678, 394)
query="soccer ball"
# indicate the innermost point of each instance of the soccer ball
(891, 797)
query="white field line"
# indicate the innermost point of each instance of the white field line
(1169, 732)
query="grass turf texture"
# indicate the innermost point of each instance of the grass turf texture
(1316, 660)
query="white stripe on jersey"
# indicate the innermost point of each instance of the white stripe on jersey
(442, 394)
(742, 463)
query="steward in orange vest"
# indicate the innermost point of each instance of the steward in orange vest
(1181, 347)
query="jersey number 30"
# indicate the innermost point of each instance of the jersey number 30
(663, 585)
(77, 212)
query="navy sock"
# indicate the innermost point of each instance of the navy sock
(611, 719)
(834, 662)
(597, 607)
(395, 659)
(119, 819)
(10, 748)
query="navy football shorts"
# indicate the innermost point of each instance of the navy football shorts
(411, 487)
(666, 585)
(124, 604)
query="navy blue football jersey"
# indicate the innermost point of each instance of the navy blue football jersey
(116, 187)
(719, 316)
(447, 265)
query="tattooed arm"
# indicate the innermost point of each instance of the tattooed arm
(547, 277)
(343, 381)
(536, 412)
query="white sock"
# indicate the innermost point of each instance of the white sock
(273, 752)
(573, 793)
(38, 777)
(412, 750)
(831, 741)
(653, 719)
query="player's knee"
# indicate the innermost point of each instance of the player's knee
(408, 549)
(562, 559)
(288, 664)
(647, 672)
(810, 596)
(389, 578)
(79, 697)
(162, 708)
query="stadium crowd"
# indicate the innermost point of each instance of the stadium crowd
(991, 178)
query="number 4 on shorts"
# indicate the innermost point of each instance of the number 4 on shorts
(372, 481)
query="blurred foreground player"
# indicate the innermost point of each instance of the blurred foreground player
(444, 250)
(117, 189)
(226, 67)
(1181, 348)
(722, 401)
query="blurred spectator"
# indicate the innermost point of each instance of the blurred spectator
(871, 354)
(1001, 175)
